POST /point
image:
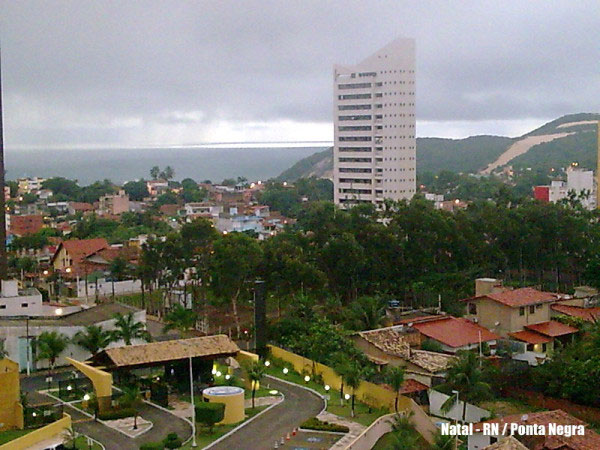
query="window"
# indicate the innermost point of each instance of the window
(24, 305)
(354, 138)
(355, 128)
(532, 309)
(353, 96)
(529, 347)
(355, 149)
(356, 117)
(354, 86)
(544, 347)
(354, 170)
(353, 107)
(472, 308)
(2, 306)
(522, 311)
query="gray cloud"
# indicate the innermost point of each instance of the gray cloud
(168, 72)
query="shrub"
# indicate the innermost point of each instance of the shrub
(152, 446)
(114, 414)
(319, 425)
(172, 441)
(210, 413)
(431, 346)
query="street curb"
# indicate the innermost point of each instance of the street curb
(185, 419)
(242, 425)
(318, 394)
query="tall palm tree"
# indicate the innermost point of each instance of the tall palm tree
(367, 313)
(49, 345)
(255, 372)
(465, 376)
(395, 377)
(127, 329)
(94, 339)
(132, 398)
(353, 380)
(180, 318)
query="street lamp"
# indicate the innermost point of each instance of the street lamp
(58, 311)
(267, 363)
(327, 387)
(194, 444)
(285, 370)
(306, 378)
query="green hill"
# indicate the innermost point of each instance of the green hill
(472, 154)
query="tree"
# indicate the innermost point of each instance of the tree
(367, 313)
(155, 172)
(137, 190)
(406, 438)
(255, 371)
(49, 345)
(210, 413)
(131, 398)
(341, 367)
(353, 380)
(465, 376)
(127, 329)
(180, 318)
(118, 270)
(94, 339)
(168, 173)
(3, 352)
(395, 378)
(235, 261)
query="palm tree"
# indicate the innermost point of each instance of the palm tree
(49, 345)
(465, 376)
(154, 172)
(180, 318)
(395, 377)
(367, 313)
(94, 339)
(406, 437)
(255, 371)
(131, 398)
(353, 380)
(340, 367)
(127, 329)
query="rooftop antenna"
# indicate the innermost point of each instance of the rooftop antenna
(3, 263)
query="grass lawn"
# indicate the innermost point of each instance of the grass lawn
(507, 406)
(81, 444)
(9, 435)
(362, 413)
(203, 437)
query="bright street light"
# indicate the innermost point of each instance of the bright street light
(86, 397)
(347, 396)
(285, 370)
(327, 387)
(307, 378)
(267, 363)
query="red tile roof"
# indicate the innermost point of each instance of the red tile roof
(455, 332)
(78, 249)
(530, 337)
(589, 441)
(521, 297)
(411, 385)
(81, 206)
(24, 225)
(416, 319)
(552, 328)
(588, 314)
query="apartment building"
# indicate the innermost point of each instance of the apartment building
(374, 127)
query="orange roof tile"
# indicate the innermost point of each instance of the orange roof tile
(521, 297)
(531, 337)
(589, 441)
(81, 206)
(411, 385)
(24, 225)
(552, 328)
(455, 332)
(588, 314)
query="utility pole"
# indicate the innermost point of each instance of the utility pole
(3, 263)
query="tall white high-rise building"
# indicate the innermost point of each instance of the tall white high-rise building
(374, 153)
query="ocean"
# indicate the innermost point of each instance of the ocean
(120, 165)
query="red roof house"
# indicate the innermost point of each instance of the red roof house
(455, 333)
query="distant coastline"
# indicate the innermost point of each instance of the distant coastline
(120, 165)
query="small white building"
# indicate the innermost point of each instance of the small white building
(19, 302)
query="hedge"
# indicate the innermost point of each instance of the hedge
(319, 425)
(114, 414)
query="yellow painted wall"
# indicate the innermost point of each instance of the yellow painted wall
(102, 381)
(369, 393)
(11, 411)
(245, 358)
(39, 435)
(234, 406)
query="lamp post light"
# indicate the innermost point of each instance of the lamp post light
(194, 444)
(285, 370)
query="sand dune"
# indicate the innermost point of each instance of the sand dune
(572, 124)
(520, 147)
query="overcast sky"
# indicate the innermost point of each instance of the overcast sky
(135, 73)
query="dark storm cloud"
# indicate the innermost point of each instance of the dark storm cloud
(131, 72)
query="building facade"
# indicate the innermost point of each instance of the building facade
(374, 127)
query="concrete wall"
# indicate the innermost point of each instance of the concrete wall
(39, 435)
(105, 288)
(368, 438)
(473, 413)
(369, 393)
(13, 306)
(11, 411)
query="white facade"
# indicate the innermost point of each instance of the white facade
(581, 182)
(15, 302)
(104, 288)
(374, 153)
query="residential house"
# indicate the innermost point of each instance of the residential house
(24, 225)
(70, 255)
(523, 315)
(115, 204)
(546, 440)
(591, 314)
(28, 185)
(157, 187)
(169, 209)
(455, 333)
(80, 207)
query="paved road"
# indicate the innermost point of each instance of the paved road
(163, 422)
(261, 433)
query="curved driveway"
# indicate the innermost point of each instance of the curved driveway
(261, 434)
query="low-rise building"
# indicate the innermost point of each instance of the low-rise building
(157, 187)
(115, 204)
(70, 255)
(28, 185)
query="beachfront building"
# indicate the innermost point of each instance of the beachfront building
(374, 127)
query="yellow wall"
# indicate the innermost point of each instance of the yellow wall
(234, 406)
(62, 260)
(11, 411)
(489, 312)
(39, 435)
(369, 393)
(245, 358)
(102, 381)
